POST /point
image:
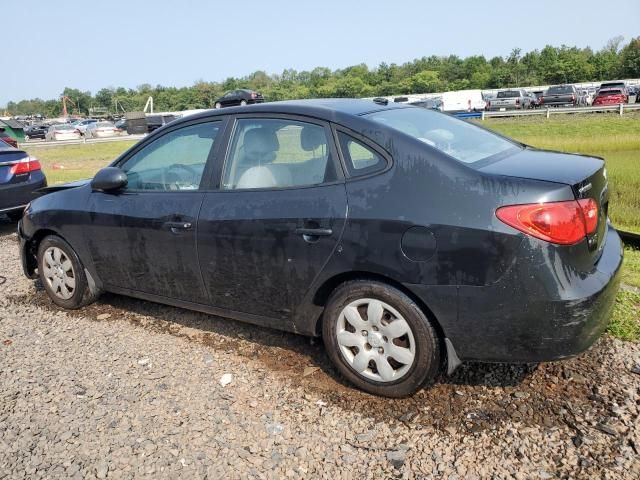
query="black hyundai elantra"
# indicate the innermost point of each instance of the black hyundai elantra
(406, 238)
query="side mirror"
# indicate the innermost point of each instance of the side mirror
(109, 179)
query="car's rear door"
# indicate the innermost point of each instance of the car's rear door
(143, 238)
(266, 233)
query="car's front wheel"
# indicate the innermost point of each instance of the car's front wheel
(62, 274)
(379, 339)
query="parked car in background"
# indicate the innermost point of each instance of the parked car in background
(463, 101)
(560, 96)
(101, 130)
(429, 103)
(457, 243)
(5, 137)
(62, 132)
(585, 97)
(239, 97)
(82, 125)
(20, 177)
(611, 96)
(514, 99)
(154, 122)
(617, 84)
(35, 131)
(121, 124)
(534, 101)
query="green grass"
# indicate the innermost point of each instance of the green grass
(77, 161)
(614, 137)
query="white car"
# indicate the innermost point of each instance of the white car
(62, 132)
(101, 130)
(82, 125)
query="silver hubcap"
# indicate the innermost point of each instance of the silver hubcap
(375, 340)
(58, 273)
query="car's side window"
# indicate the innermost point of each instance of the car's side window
(277, 153)
(175, 161)
(360, 159)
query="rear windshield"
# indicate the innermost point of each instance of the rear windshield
(508, 94)
(459, 139)
(612, 84)
(602, 93)
(560, 89)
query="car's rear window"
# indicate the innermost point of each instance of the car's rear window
(603, 93)
(459, 139)
(508, 94)
(559, 90)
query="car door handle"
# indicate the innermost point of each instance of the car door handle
(314, 232)
(177, 227)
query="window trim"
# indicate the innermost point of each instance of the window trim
(340, 174)
(205, 180)
(365, 141)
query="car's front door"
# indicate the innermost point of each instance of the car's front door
(143, 238)
(276, 219)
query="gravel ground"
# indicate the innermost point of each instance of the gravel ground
(131, 389)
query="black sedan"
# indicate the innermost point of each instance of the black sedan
(239, 97)
(20, 177)
(404, 237)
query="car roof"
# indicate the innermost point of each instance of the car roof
(330, 109)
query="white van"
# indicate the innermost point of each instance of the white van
(463, 101)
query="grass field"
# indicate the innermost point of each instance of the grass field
(613, 137)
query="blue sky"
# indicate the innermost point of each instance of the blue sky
(90, 45)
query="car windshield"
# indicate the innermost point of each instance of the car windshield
(560, 89)
(461, 140)
(508, 94)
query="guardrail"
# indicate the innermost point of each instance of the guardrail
(82, 141)
(621, 108)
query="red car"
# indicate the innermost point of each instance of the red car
(613, 96)
(7, 139)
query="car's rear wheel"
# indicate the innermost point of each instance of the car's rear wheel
(62, 274)
(379, 339)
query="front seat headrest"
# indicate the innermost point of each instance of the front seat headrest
(260, 141)
(311, 137)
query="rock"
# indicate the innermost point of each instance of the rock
(275, 428)
(208, 360)
(143, 361)
(309, 371)
(226, 379)
(397, 457)
(606, 428)
(520, 394)
(101, 469)
(103, 316)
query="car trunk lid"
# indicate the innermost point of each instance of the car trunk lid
(586, 175)
(8, 159)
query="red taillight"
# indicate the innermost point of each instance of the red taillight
(564, 223)
(25, 166)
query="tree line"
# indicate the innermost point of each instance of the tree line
(550, 65)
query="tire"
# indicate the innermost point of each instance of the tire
(418, 345)
(54, 251)
(15, 215)
(218, 105)
(243, 103)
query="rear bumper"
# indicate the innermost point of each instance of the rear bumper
(14, 196)
(537, 312)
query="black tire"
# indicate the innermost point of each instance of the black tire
(82, 294)
(15, 215)
(426, 363)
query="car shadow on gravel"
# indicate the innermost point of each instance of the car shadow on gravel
(476, 397)
(7, 226)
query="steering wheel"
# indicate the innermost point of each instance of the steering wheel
(171, 179)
